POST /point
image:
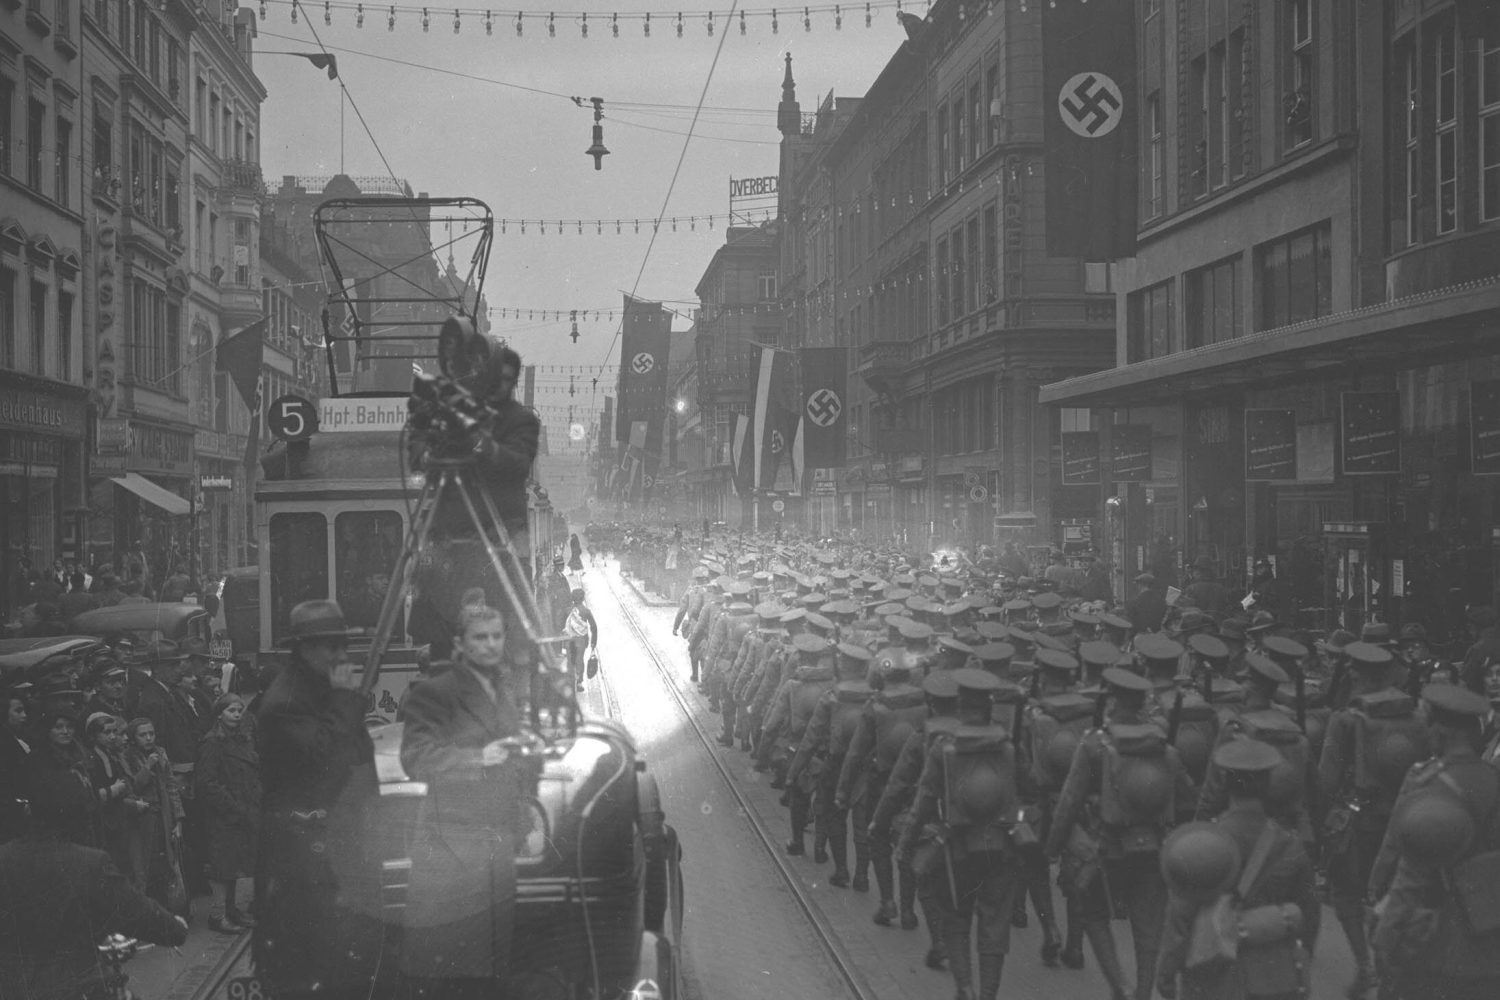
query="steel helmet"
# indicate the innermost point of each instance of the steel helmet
(1433, 828)
(1199, 861)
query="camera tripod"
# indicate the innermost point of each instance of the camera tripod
(444, 476)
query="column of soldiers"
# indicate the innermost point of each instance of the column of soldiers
(975, 738)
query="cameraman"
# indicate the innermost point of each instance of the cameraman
(503, 446)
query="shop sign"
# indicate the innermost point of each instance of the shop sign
(1130, 453)
(28, 450)
(1080, 458)
(151, 449)
(114, 435)
(1270, 445)
(878, 490)
(824, 488)
(1370, 425)
(1484, 427)
(210, 483)
(34, 411)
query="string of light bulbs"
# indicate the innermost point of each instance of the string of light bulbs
(547, 23)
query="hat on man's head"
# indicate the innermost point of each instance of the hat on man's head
(1413, 632)
(1247, 756)
(1145, 579)
(1125, 680)
(1454, 704)
(1207, 646)
(1377, 633)
(1262, 621)
(316, 620)
(1265, 668)
(1338, 640)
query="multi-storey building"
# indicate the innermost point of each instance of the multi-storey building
(42, 364)
(1308, 328)
(939, 283)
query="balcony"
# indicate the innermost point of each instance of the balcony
(881, 363)
(243, 177)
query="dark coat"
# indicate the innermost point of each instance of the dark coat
(458, 921)
(69, 772)
(15, 771)
(57, 900)
(227, 785)
(319, 917)
(111, 815)
(503, 467)
(179, 730)
(1146, 610)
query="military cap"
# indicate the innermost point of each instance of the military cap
(700, 572)
(1047, 640)
(940, 684)
(1453, 704)
(1115, 622)
(109, 668)
(1247, 756)
(947, 643)
(1281, 646)
(834, 608)
(897, 594)
(714, 567)
(927, 581)
(1208, 647)
(819, 622)
(1016, 606)
(990, 611)
(1261, 622)
(826, 558)
(1098, 653)
(1266, 668)
(739, 608)
(1367, 654)
(1046, 601)
(955, 608)
(917, 602)
(1125, 680)
(951, 581)
(1337, 642)
(1413, 632)
(976, 683)
(904, 579)
(889, 608)
(993, 631)
(1024, 625)
(768, 611)
(810, 645)
(745, 560)
(722, 582)
(995, 652)
(1054, 659)
(1058, 628)
(59, 685)
(794, 615)
(854, 651)
(761, 577)
(1155, 646)
(1232, 629)
(813, 600)
(1083, 618)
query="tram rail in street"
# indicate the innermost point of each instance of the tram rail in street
(823, 929)
(219, 983)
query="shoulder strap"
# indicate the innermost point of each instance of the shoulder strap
(1258, 857)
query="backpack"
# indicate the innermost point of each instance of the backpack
(1197, 732)
(899, 711)
(1272, 726)
(849, 701)
(1388, 739)
(1137, 794)
(1057, 727)
(980, 764)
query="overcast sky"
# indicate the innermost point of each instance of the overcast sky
(523, 152)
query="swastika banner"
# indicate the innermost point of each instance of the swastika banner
(1091, 104)
(644, 340)
(775, 417)
(825, 404)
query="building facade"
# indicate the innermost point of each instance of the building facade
(43, 403)
(1307, 345)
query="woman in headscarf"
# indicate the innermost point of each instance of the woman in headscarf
(154, 830)
(61, 765)
(104, 737)
(227, 780)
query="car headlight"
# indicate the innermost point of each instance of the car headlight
(535, 833)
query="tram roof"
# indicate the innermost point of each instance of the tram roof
(359, 459)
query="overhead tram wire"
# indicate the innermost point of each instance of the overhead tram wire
(672, 185)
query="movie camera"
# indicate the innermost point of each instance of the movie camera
(444, 410)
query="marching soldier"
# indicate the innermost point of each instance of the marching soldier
(742, 623)
(746, 673)
(1368, 749)
(1137, 779)
(790, 713)
(713, 605)
(776, 672)
(1246, 850)
(820, 758)
(692, 604)
(971, 777)
(1438, 926)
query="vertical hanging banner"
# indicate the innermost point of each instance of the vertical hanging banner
(1080, 458)
(775, 417)
(1130, 453)
(1370, 433)
(1270, 445)
(1484, 428)
(646, 335)
(742, 468)
(1090, 103)
(825, 395)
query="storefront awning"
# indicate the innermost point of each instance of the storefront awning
(153, 494)
(1434, 327)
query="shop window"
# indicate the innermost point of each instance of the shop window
(1489, 129)
(1295, 275)
(242, 252)
(1297, 102)
(7, 318)
(173, 342)
(1214, 303)
(1098, 277)
(298, 564)
(38, 328)
(1149, 325)
(366, 544)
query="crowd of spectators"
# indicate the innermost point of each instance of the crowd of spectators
(40, 602)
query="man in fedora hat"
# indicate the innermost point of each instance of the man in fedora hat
(1148, 607)
(318, 928)
(1205, 592)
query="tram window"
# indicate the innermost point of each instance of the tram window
(299, 564)
(365, 549)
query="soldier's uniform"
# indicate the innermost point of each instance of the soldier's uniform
(790, 713)
(1438, 932)
(1135, 781)
(741, 628)
(1277, 902)
(1368, 749)
(972, 778)
(688, 609)
(713, 607)
(820, 757)
(756, 649)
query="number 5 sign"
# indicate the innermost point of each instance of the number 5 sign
(292, 418)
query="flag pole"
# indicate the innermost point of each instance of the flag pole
(343, 99)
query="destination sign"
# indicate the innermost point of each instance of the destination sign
(373, 413)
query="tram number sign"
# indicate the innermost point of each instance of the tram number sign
(246, 988)
(292, 418)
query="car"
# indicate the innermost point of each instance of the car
(145, 623)
(32, 659)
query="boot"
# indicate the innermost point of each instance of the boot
(885, 914)
(839, 844)
(908, 899)
(1102, 940)
(795, 847)
(745, 745)
(885, 881)
(861, 869)
(1018, 912)
(936, 959)
(1051, 943)
(956, 943)
(726, 740)
(990, 969)
(840, 878)
(1072, 953)
(820, 848)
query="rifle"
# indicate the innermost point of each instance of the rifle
(1301, 680)
(1099, 705)
(1174, 718)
